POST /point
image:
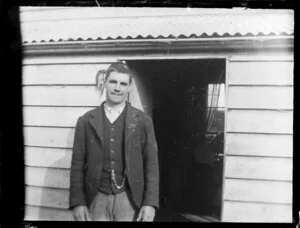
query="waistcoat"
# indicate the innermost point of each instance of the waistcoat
(114, 155)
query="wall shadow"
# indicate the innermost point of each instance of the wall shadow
(56, 192)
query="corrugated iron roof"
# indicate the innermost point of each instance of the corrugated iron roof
(213, 23)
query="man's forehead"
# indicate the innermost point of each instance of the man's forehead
(119, 76)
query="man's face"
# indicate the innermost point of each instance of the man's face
(117, 87)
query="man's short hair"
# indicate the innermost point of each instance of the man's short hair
(120, 68)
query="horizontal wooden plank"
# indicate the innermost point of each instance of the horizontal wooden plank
(264, 56)
(49, 137)
(259, 168)
(261, 73)
(258, 191)
(238, 56)
(260, 121)
(62, 95)
(47, 177)
(48, 157)
(261, 97)
(259, 145)
(47, 197)
(256, 212)
(61, 74)
(70, 59)
(34, 213)
(53, 116)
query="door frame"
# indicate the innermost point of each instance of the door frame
(193, 57)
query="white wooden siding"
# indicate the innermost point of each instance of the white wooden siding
(52, 116)
(259, 145)
(256, 212)
(258, 191)
(260, 121)
(271, 97)
(47, 197)
(49, 137)
(48, 157)
(47, 213)
(69, 59)
(260, 168)
(261, 73)
(55, 94)
(64, 74)
(47, 177)
(61, 95)
(259, 141)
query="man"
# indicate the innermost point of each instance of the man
(114, 171)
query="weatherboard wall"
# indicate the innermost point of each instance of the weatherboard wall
(259, 141)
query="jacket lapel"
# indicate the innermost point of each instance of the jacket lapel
(96, 122)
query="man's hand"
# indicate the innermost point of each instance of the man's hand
(81, 213)
(146, 214)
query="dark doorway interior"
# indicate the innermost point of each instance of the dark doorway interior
(186, 101)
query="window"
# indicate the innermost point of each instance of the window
(216, 96)
(215, 108)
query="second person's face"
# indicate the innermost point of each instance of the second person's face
(117, 87)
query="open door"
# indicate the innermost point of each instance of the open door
(186, 101)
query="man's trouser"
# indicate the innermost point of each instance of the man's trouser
(115, 207)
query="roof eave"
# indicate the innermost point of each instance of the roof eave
(162, 46)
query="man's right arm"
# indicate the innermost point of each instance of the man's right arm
(81, 213)
(77, 196)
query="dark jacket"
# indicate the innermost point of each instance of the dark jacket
(141, 158)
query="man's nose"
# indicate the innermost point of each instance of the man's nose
(117, 87)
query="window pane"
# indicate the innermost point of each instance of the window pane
(216, 95)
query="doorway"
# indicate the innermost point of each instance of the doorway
(186, 99)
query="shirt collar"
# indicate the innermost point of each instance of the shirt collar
(118, 110)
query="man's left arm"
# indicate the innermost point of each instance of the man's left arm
(151, 172)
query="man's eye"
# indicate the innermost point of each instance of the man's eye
(124, 84)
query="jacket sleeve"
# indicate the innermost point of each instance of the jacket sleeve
(151, 167)
(77, 196)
